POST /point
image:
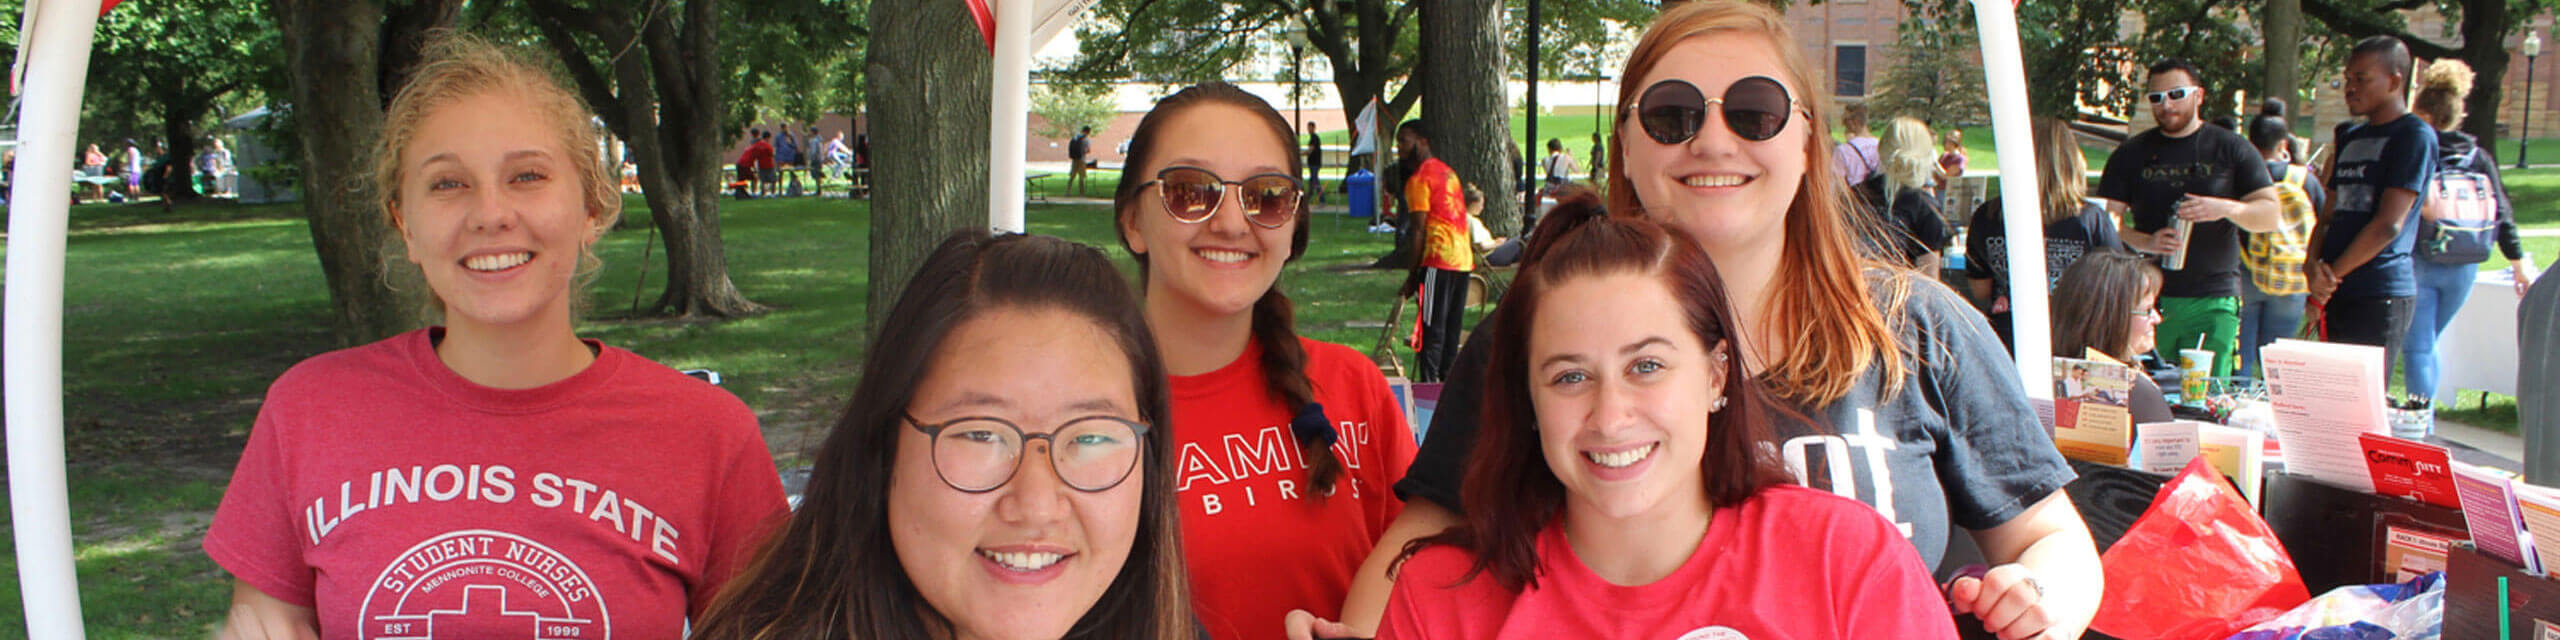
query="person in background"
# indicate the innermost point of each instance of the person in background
(1315, 164)
(1911, 230)
(132, 161)
(1004, 469)
(1859, 156)
(2207, 176)
(2271, 301)
(1938, 438)
(1599, 153)
(1434, 195)
(2445, 279)
(388, 480)
(1288, 443)
(1951, 164)
(786, 155)
(1497, 251)
(1627, 482)
(2073, 226)
(2361, 274)
(2106, 302)
(1559, 165)
(1079, 151)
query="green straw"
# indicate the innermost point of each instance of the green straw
(2503, 609)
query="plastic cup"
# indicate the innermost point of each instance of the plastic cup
(2195, 367)
(2177, 260)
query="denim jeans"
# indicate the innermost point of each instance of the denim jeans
(2263, 319)
(2442, 288)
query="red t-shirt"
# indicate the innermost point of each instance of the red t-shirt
(1790, 563)
(1258, 539)
(400, 500)
(759, 155)
(1435, 192)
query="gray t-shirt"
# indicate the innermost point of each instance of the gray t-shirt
(1957, 444)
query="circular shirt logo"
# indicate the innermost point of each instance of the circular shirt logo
(482, 584)
(1718, 632)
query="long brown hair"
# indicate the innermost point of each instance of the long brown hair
(2061, 172)
(1826, 315)
(833, 571)
(1510, 491)
(1275, 320)
(2093, 303)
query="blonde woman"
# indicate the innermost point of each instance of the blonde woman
(498, 458)
(1910, 228)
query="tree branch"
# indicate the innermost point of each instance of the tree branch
(592, 83)
(2347, 22)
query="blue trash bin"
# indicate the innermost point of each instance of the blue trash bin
(1363, 187)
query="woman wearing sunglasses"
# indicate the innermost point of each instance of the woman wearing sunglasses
(1627, 484)
(1287, 444)
(1002, 470)
(1914, 411)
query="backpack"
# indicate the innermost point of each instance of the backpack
(2459, 223)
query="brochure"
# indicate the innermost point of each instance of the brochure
(2541, 510)
(2408, 469)
(2090, 421)
(2491, 512)
(2325, 395)
(2240, 454)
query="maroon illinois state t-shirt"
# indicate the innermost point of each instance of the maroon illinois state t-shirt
(401, 501)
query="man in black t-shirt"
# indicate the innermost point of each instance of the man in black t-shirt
(2361, 272)
(2210, 177)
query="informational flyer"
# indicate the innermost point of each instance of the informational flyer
(2090, 421)
(2541, 513)
(2409, 553)
(2325, 395)
(2240, 454)
(2490, 511)
(2413, 470)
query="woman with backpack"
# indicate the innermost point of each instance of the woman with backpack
(2466, 212)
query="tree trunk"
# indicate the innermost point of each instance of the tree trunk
(2284, 24)
(2484, 33)
(663, 99)
(1464, 107)
(331, 52)
(178, 129)
(928, 78)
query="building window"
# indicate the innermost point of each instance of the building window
(1849, 65)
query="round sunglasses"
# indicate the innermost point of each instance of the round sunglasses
(1192, 194)
(1755, 108)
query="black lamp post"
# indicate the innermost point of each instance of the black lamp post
(2532, 49)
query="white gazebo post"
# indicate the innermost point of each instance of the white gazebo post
(2004, 73)
(53, 62)
(1008, 131)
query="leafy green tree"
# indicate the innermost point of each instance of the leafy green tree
(2481, 31)
(166, 69)
(1067, 108)
(1933, 76)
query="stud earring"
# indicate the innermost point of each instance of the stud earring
(1718, 406)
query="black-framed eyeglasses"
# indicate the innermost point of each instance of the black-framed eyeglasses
(1755, 108)
(978, 454)
(2176, 93)
(1192, 194)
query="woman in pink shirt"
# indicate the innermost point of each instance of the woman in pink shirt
(1626, 480)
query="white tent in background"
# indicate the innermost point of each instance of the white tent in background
(51, 72)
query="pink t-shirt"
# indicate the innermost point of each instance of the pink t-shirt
(1257, 538)
(400, 500)
(1790, 563)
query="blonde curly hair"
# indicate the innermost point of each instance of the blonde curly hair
(2442, 86)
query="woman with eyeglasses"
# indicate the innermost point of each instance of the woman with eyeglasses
(2109, 301)
(1287, 444)
(1914, 407)
(1626, 482)
(1003, 470)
